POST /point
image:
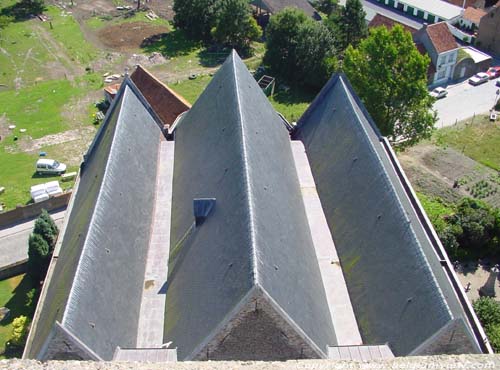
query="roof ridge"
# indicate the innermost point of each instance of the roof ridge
(234, 58)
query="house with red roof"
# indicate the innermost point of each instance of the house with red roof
(442, 49)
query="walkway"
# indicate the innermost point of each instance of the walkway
(150, 332)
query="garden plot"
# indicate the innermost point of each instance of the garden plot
(448, 174)
(128, 36)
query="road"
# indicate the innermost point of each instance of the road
(14, 240)
(465, 100)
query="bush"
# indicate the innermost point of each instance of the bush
(488, 312)
(20, 327)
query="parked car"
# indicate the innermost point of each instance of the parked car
(52, 188)
(439, 92)
(38, 193)
(498, 82)
(493, 72)
(479, 78)
(49, 166)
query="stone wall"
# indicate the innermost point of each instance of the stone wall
(468, 362)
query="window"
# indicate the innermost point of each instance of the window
(441, 74)
(450, 58)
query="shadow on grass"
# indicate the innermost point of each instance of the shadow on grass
(294, 95)
(170, 44)
(23, 10)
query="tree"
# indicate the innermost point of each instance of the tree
(38, 256)
(390, 76)
(196, 17)
(299, 49)
(46, 228)
(20, 326)
(488, 312)
(316, 59)
(235, 25)
(325, 6)
(348, 24)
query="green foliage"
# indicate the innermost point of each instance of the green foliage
(390, 76)
(235, 26)
(38, 256)
(20, 327)
(488, 311)
(196, 17)
(47, 229)
(437, 210)
(23, 9)
(5, 20)
(348, 25)
(473, 231)
(298, 49)
(325, 6)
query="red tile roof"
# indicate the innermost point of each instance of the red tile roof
(474, 15)
(165, 102)
(441, 37)
(381, 20)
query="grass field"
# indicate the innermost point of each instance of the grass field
(436, 209)
(13, 295)
(478, 139)
(291, 103)
(31, 100)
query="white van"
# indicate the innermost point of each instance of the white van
(49, 166)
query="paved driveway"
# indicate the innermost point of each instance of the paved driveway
(465, 100)
(14, 240)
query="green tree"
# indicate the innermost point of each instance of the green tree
(348, 24)
(316, 59)
(488, 312)
(196, 17)
(390, 76)
(325, 6)
(38, 257)
(46, 228)
(298, 49)
(235, 26)
(20, 326)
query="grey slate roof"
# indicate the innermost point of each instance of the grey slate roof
(94, 291)
(398, 286)
(232, 146)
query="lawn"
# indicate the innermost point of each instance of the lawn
(13, 295)
(477, 138)
(291, 103)
(30, 48)
(38, 110)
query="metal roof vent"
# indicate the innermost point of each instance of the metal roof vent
(202, 208)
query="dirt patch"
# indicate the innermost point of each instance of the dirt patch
(29, 145)
(128, 36)
(447, 173)
(4, 126)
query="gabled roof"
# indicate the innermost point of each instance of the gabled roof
(473, 14)
(95, 280)
(274, 6)
(401, 291)
(441, 37)
(166, 103)
(252, 260)
(382, 20)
